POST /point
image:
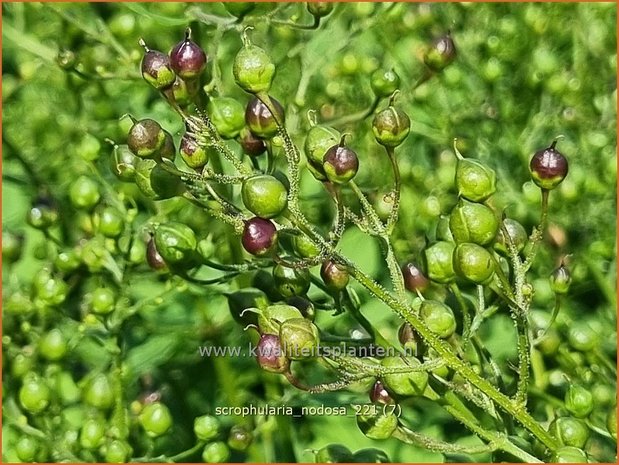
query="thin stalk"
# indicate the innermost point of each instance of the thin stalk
(395, 208)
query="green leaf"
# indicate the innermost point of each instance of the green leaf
(156, 351)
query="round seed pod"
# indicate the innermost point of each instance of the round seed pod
(473, 222)
(334, 275)
(473, 262)
(259, 236)
(438, 317)
(299, 338)
(187, 58)
(441, 53)
(260, 120)
(548, 167)
(270, 354)
(340, 163)
(391, 126)
(253, 69)
(156, 69)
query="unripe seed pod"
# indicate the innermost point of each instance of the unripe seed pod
(270, 354)
(438, 317)
(441, 53)
(407, 336)
(516, 233)
(187, 58)
(438, 260)
(153, 257)
(118, 451)
(251, 145)
(216, 452)
(379, 395)
(578, 401)
(334, 453)
(259, 236)
(155, 182)
(260, 120)
(123, 163)
(404, 384)
(272, 317)
(304, 247)
(264, 195)
(291, 282)
(227, 115)
(193, 154)
(334, 275)
(319, 9)
(378, 426)
(570, 431)
(473, 262)
(340, 163)
(474, 180)
(299, 338)
(568, 454)
(384, 83)
(560, 280)
(156, 68)
(145, 138)
(239, 438)
(443, 233)
(167, 150)
(12, 246)
(473, 222)
(414, 279)
(582, 337)
(109, 222)
(176, 242)
(391, 126)
(84, 193)
(253, 69)
(206, 427)
(548, 167)
(320, 139)
(34, 395)
(156, 419)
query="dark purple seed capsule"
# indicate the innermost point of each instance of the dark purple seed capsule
(260, 120)
(270, 354)
(153, 258)
(187, 58)
(305, 306)
(252, 145)
(145, 138)
(334, 275)
(406, 335)
(259, 236)
(548, 167)
(440, 54)
(194, 155)
(156, 69)
(414, 279)
(340, 163)
(379, 395)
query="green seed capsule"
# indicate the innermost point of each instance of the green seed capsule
(177, 243)
(264, 195)
(379, 426)
(123, 163)
(473, 222)
(320, 139)
(438, 261)
(560, 280)
(272, 317)
(84, 193)
(155, 182)
(384, 83)
(253, 69)
(289, 281)
(334, 453)
(216, 452)
(474, 180)
(438, 317)
(118, 451)
(239, 438)
(579, 401)
(99, 393)
(371, 455)
(516, 233)
(473, 262)
(391, 126)
(570, 431)
(319, 9)
(227, 115)
(304, 247)
(299, 338)
(568, 454)
(405, 384)
(34, 395)
(156, 419)
(206, 427)
(12, 246)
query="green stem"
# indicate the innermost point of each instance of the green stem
(393, 214)
(524, 359)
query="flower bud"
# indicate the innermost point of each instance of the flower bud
(440, 54)
(404, 384)
(319, 9)
(299, 338)
(379, 395)
(474, 180)
(438, 260)
(414, 279)
(251, 145)
(259, 236)
(560, 280)
(227, 116)
(334, 275)
(187, 58)
(473, 262)
(194, 155)
(473, 222)
(548, 167)
(145, 138)
(156, 68)
(270, 354)
(340, 163)
(253, 69)
(289, 281)
(391, 126)
(378, 426)
(516, 233)
(438, 317)
(260, 120)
